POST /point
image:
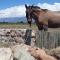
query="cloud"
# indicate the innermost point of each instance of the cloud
(16, 11)
(19, 11)
(53, 7)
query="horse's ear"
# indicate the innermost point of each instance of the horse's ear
(45, 10)
(32, 5)
(26, 5)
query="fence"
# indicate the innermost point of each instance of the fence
(47, 39)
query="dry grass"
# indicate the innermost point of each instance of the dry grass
(24, 26)
(17, 26)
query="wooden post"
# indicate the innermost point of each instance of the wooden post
(28, 36)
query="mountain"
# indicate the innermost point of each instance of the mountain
(57, 11)
(13, 19)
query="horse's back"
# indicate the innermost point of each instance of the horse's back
(53, 19)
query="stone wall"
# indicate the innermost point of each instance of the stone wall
(12, 36)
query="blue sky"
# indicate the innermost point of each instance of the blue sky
(16, 8)
(9, 3)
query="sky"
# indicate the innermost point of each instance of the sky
(16, 8)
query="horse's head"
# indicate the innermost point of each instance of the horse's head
(35, 12)
(29, 11)
(28, 14)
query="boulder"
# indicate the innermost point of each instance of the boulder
(33, 33)
(19, 40)
(20, 52)
(40, 54)
(55, 52)
(5, 54)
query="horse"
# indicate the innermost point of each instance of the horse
(29, 18)
(44, 18)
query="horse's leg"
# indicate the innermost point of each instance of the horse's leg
(45, 27)
(29, 22)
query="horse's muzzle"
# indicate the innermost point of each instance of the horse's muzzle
(29, 22)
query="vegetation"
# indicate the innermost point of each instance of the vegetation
(18, 25)
(22, 25)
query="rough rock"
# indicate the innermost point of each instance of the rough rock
(5, 54)
(40, 54)
(15, 36)
(55, 52)
(20, 52)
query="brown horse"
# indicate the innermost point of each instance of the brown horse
(43, 18)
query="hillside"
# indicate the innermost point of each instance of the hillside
(13, 19)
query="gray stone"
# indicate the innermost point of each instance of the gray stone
(20, 53)
(15, 36)
(5, 54)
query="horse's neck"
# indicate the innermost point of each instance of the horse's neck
(35, 15)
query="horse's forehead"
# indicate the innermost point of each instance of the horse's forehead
(28, 9)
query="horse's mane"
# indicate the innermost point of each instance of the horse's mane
(39, 10)
(36, 7)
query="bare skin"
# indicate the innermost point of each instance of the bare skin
(40, 54)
